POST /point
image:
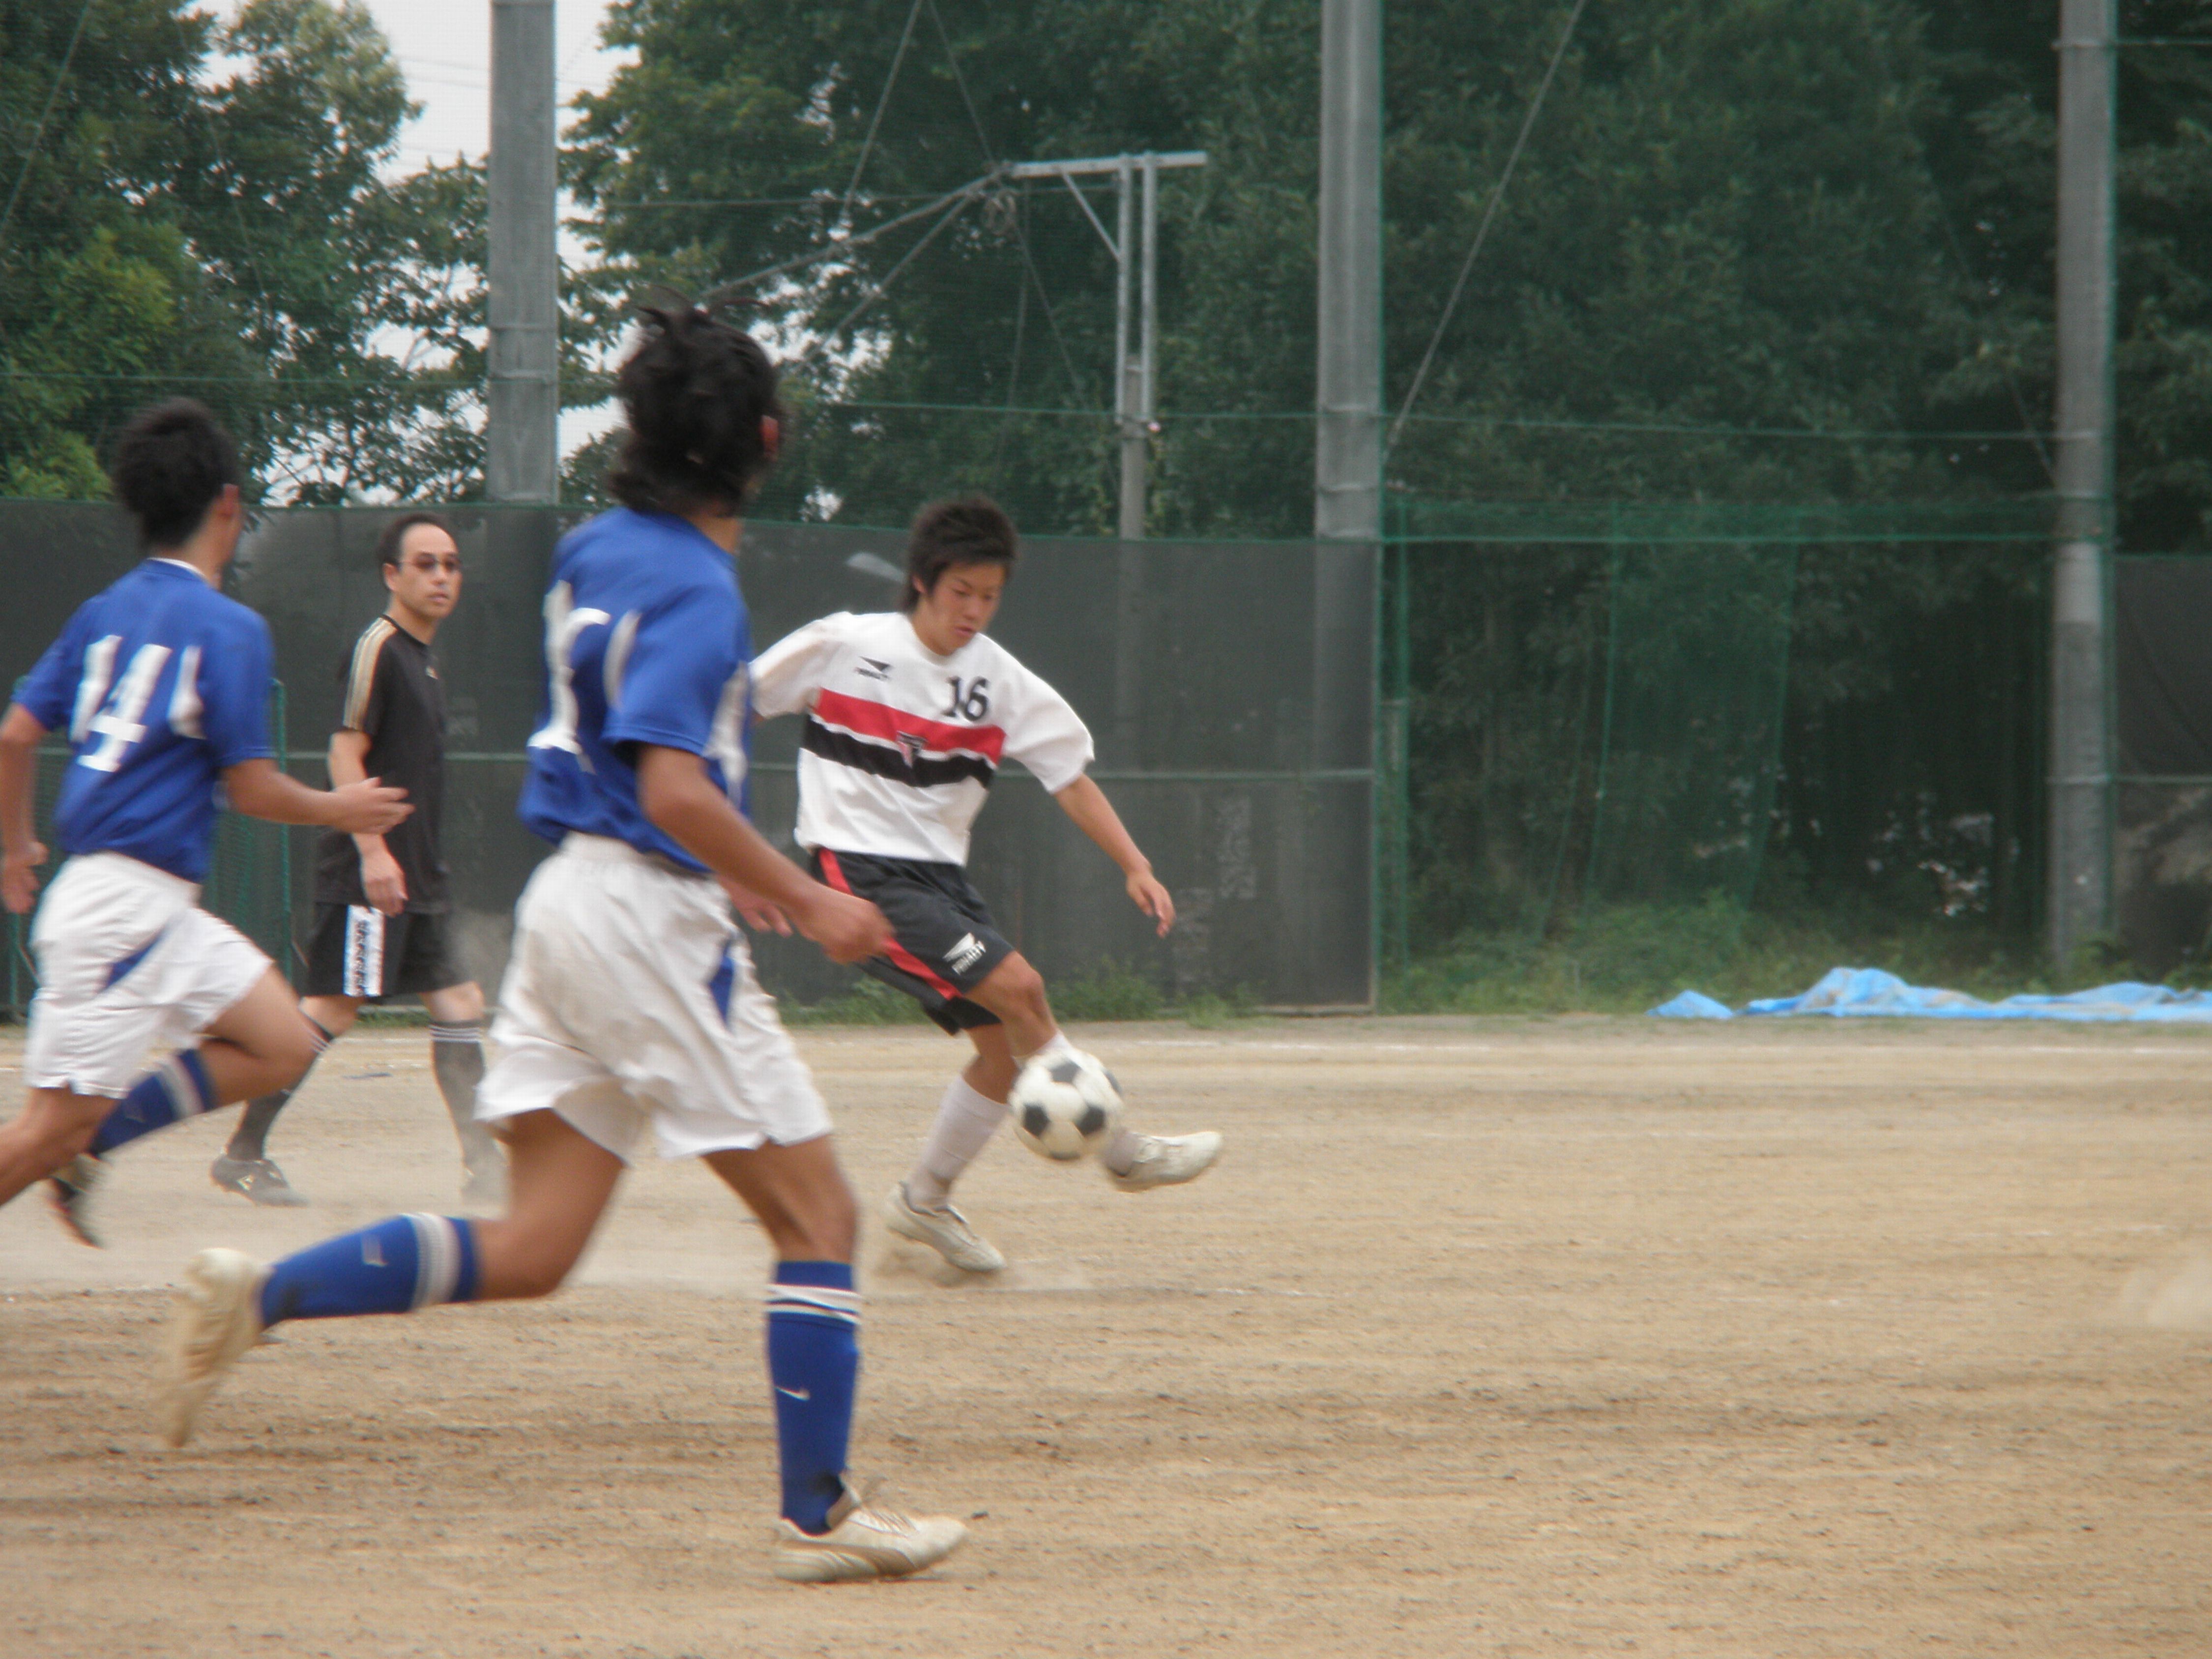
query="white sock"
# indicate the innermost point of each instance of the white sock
(967, 1118)
(1057, 1043)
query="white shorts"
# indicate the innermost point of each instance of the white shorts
(629, 1001)
(128, 963)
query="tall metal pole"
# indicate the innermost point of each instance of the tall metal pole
(2080, 724)
(522, 460)
(1348, 434)
(1348, 462)
(1127, 368)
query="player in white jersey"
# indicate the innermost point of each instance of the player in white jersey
(908, 715)
(161, 684)
(629, 1015)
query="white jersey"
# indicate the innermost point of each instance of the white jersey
(902, 745)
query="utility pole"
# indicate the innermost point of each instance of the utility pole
(522, 460)
(2080, 724)
(1348, 446)
(1136, 229)
(1348, 394)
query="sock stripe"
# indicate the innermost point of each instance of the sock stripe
(437, 1259)
(181, 1086)
(469, 1033)
(815, 1302)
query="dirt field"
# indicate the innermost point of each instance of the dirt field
(1533, 1339)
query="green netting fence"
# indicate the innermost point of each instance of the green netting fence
(1584, 707)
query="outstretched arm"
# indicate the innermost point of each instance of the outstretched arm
(257, 789)
(1086, 803)
(20, 854)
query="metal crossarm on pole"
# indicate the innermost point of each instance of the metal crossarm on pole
(1136, 288)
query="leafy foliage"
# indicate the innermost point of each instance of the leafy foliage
(202, 209)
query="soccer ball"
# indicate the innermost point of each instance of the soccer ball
(1065, 1106)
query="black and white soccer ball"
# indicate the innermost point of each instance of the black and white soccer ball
(1066, 1105)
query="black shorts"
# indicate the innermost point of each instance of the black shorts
(357, 952)
(945, 942)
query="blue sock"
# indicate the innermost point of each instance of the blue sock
(174, 1090)
(813, 1361)
(398, 1265)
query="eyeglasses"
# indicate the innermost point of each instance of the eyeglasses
(427, 562)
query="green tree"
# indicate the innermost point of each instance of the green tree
(200, 207)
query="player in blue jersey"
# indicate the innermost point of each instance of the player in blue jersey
(162, 686)
(629, 1010)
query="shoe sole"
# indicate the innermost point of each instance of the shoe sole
(902, 1221)
(845, 1564)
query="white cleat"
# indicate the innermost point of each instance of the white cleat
(865, 1542)
(217, 1318)
(946, 1231)
(1167, 1161)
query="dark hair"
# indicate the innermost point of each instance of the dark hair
(387, 544)
(171, 464)
(969, 530)
(696, 391)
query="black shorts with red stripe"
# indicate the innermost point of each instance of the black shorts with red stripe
(945, 944)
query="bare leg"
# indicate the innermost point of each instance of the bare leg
(800, 1195)
(258, 1043)
(559, 1182)
(54, 1126)
(1014, 991)
(243, 1168)
(336, 1015)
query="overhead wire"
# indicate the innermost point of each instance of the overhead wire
(868, 144)
(882, 284)
(1021, 239)
(38, 131)
(1482, 232)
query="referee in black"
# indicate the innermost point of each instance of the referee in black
(383, 915)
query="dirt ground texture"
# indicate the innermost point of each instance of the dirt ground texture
(1517, 1338)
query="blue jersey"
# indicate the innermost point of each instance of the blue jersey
(162, 683)
(645, 641)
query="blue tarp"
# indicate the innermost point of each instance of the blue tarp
(1855, 992)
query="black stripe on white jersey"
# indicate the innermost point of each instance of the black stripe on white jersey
(897, 764)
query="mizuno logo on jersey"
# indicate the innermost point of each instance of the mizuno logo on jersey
(964, 955)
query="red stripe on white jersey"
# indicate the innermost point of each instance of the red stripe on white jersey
(889, 724)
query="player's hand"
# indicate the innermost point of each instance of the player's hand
(1147, 893)
(19, 880)
(756, 912)
(368, 808)
(383, 881)
(849, 929)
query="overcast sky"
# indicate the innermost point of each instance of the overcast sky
(444, 49)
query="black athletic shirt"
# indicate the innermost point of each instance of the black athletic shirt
(394, 696)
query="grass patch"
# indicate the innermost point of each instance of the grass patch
(1631, 957)
(869, 1002)
(1115, 992)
